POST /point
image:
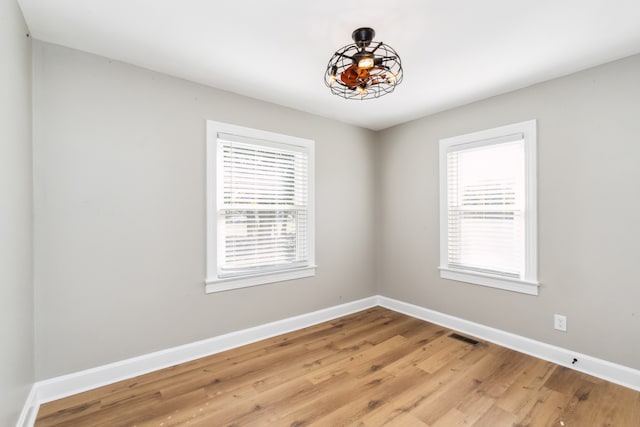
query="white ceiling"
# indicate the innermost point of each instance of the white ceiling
(453, 51)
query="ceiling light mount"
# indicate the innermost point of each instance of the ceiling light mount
(363, 69)
(363, 36)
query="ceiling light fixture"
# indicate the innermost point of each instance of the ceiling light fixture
(355, 72)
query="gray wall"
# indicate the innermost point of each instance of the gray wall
(119, 158)
(589, 205)
(16, 231)
(119, 212)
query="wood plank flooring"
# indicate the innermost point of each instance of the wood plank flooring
(372, 368)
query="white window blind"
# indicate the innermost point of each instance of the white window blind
(263, 197)
(488, 230)
(485, 189)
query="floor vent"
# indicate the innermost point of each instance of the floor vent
(464, 339)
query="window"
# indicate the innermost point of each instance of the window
(488, 208)
(260, 218)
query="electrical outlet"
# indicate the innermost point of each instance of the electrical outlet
(560, 322)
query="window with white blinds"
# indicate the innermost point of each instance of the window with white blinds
(488, 230)
(263, 207)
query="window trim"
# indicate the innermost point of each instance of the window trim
(529, 283)
(214, 283)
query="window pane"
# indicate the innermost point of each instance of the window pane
(262, 211)
(254, 175)
(262, 240)
(486, 209)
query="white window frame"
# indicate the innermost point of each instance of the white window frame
(213, 282)
(528, 282)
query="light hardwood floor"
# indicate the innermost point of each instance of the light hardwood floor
(372, 368)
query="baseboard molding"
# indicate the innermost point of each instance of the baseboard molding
(606, 370)
(67, 385)
(29, 410)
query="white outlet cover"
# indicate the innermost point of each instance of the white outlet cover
(560, 322)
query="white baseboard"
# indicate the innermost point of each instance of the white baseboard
(67, 385)
(606, 370)
(29, 410)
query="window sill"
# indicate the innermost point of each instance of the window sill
(228, 283)
(515, 285)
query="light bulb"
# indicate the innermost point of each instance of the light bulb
(366, 62)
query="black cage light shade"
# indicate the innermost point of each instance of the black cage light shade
(363, 69)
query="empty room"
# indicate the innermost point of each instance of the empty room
(296, 213)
